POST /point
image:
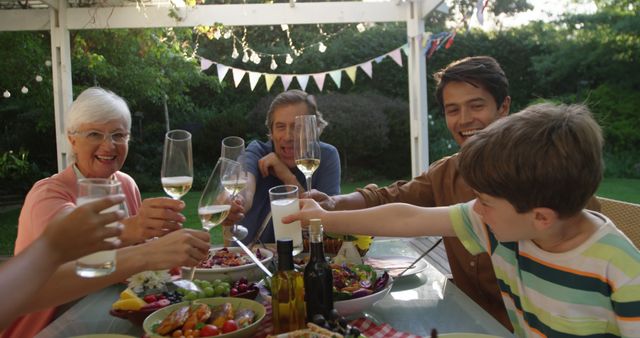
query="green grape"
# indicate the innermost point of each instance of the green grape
(190, 296)
(205, 284)
(209, 291)
(220, 290)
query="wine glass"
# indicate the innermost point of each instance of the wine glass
(215, 201)
(306, 146)
(177, 163)
(233, 148)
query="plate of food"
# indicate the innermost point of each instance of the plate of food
(394, 265)
(222, 317)
(230, 263)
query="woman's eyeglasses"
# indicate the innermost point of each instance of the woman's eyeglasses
(98, 137)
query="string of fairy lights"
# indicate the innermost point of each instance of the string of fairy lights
(25, 87)
(250, 54)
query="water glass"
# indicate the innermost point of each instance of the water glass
(100, 263)
(284, 201)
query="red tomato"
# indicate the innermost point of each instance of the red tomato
(209, 330)
(229, 326)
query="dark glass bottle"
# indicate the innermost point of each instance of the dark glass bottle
(318, 280)
(287, 291)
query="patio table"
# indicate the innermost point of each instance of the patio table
(416, 304)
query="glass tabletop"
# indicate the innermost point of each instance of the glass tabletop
(416, 304)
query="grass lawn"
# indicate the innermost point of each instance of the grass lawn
(616, 188)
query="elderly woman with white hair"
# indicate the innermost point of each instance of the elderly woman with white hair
(98, 126)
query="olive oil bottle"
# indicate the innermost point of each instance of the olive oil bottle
(317, 275)
(287, 292)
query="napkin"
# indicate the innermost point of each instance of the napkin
(372, 330)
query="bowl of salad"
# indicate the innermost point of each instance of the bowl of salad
(356, 287)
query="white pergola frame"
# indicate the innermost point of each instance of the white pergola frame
(60, 19)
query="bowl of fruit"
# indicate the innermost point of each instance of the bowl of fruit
(230, 263)
(224, 317)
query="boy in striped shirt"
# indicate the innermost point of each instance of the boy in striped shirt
(563, 271)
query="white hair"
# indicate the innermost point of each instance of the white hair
(97, 105)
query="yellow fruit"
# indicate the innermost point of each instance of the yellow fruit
(134, 304)
(128, 293)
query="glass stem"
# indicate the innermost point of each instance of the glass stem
(308, 183)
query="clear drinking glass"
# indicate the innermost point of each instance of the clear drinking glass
(284, 201)
(306, 146)
(177, 163)
(233, 148)
(100, 263)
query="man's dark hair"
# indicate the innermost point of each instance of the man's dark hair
(478, 71)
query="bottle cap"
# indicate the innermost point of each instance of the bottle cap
(284, 245)
(315, 225)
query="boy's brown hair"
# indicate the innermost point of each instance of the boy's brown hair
(478, 71)
(547, 155)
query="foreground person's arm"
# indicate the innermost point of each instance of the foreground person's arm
(407, 220)
(23, 275)
(185, 247)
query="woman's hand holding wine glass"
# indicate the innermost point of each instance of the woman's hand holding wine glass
(306, 146)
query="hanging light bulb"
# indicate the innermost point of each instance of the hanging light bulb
(284, 26)
(217, 35)
(6, 94)
(24, 90)
(38, 78)
(226, 34)
(245, 56)
(322, 48)
(289, 59)
(360, 27)
(47, 63)
(235, 53)
(257, 59)
(274, 65)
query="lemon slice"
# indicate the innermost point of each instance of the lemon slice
(134, 304)
(128, 293)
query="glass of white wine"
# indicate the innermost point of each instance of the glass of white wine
(215, 201)
(306, 146)
(177, 163)
(233, 148)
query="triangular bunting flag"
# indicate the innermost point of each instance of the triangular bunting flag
(351, 73)
(205, 64)
(336, 75)
(269, 79)
(367, 67)
(253, 79)
(302, 81)
(222, 71)
(396, 56)
(379, 58)
(286, 80)
(450, 41)
(319, 78)
(405, 49)
(238, 74)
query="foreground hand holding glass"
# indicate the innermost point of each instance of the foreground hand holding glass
(100, 263)
(284, 201)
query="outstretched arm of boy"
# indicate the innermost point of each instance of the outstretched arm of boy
(394, 220)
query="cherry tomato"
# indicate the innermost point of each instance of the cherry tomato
(229, 326)
(150, 298)
(209, 330)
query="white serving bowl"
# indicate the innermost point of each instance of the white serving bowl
(351, 306)
(250, 271)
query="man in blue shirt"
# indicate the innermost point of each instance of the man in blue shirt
(272, 163)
